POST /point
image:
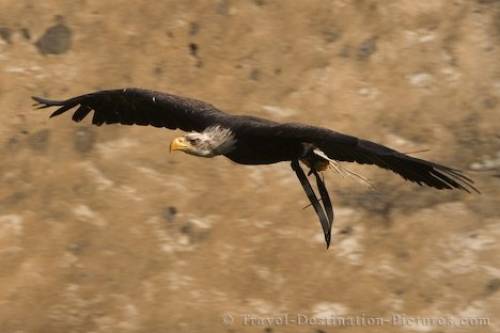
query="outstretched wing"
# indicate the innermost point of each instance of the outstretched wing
(348, 148)
(138, 107)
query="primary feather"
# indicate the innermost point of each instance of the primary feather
(138, 107)
(348, 148)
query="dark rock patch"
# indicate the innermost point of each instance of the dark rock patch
(488, 2)
(367, 48)
(193, 49)
(77, 247)
(186, 229)
(490, 102)
(384, 199)
(472, 143)
(84, 139)
(194, 28)
(222, 7)
(346, 231)
(158, 70)
(492, 286)
(254, 75)
(194, 232)
(25, 32)
(169, 214)
(55, 40)
(39, 140)
(331, 35)
(13, 199)
(6, 34)
(13, 144)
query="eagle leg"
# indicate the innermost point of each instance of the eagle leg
(325, 198)
(320, 211)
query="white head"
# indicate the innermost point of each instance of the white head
(213, 141)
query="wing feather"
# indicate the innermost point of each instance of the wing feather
(348, 148)
(138, 107)
(81, 113)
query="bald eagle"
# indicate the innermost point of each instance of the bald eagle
(252, 140)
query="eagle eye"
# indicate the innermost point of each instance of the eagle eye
(193, 141)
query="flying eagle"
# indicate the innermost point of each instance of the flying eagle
(251, 140)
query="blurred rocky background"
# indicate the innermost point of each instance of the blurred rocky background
(102, 230)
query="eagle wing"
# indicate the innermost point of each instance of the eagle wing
(138, 107)
(348, 148)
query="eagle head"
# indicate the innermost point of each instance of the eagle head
(211, 142)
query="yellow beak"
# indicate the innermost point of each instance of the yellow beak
(179, 143)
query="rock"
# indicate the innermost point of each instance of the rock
(222, 7)
(6, 34)
(254, 74)
(84, 139)
(490, 102)
(13, 199)
(13, 144)
(367, 48)
(331, 35)
(193, 49)
(492, 286)
(25, 32)
(39, 140)
(194, 28)
(169, 213)
(55, 40)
